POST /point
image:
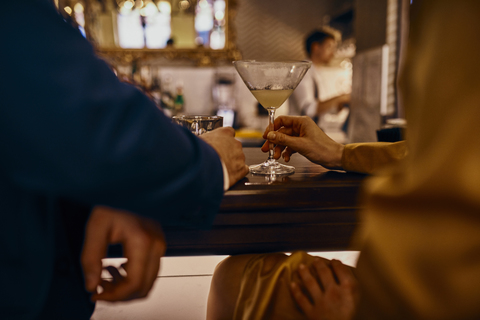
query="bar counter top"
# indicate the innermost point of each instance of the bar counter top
(314, 209)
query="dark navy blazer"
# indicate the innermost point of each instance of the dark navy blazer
(72, 136)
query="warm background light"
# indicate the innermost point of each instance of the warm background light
(164, 7)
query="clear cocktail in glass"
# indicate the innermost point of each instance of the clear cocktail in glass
(271, 82)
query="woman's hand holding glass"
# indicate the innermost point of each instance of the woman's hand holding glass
(302, 135)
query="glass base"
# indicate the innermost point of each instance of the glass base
(271, 167)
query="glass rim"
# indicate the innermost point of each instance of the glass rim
(201, 118)
(301, 62)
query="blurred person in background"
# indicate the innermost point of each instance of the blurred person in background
(313, 97)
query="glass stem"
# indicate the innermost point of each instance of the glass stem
(271, 118)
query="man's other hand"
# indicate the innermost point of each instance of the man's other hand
(143, 245)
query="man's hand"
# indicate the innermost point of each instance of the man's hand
(330, 291)
(143, 245)
(302, 135)
(230, 151)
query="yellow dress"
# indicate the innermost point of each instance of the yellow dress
(420, 235)
(265, 295)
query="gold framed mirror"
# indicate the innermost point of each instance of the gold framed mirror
(185, 32)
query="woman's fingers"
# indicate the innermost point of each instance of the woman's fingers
(310, 283)
(287, 153)
(279, 147)
(346, 278)
(301, 299)
(333, 295)
(343, 272)
(325, 274)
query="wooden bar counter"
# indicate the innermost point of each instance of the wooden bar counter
(314, 209)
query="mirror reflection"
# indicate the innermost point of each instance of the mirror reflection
(151, 24)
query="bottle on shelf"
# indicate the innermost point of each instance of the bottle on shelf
(167, 99)
(156, 92)
(179, 102)
(223, 94)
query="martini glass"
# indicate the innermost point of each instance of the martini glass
(271, 82)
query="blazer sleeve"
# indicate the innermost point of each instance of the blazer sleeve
(69, 128)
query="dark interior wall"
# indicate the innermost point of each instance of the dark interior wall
(341, 17)
(370, 24)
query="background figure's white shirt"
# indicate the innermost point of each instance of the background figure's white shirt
(303, 100)
(320, 83)
(333, 81)
(323, 83)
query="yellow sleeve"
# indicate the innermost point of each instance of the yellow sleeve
(369, 157)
